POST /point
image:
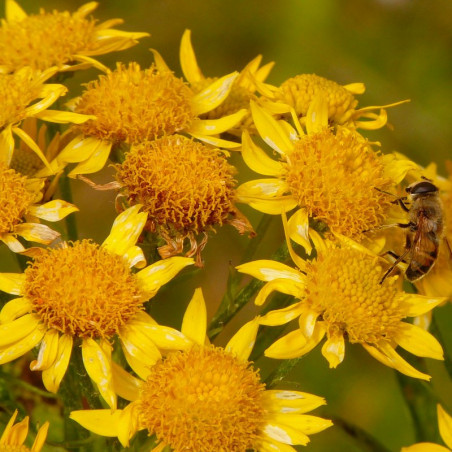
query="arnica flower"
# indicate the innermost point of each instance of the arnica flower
(132, 105)
(340, 295)
(206, 398)
(242, 90)
(186, 187)
(25, 94)
(296, 95)
(67, 41)
(14, 436)
(21, 210)
(445, 430)
(83, 294)
(332, 176)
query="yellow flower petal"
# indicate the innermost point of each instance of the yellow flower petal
(284, 402)
(334, 350)
(22, 346)
(17, 330)
(79, 149)
(53, 210)
(242, 343)
(160, 62)
(13, 12)
(425, 447)
(14, 309)
(97, 361)
(125, 231)
(63, 117)
(102, 422)
(31, 144)
(194, 323)
(139, 350)
(257, 159)
(41, 437)
(95, 162)
(52, 376)
(289, 346)
(156, 275)
(283, 315)
(12, 243)
(281, 285)
(12, 283)
(421, 304)
(48, 351)
(212, 96)
(188, 62)
(396, 167)
(317, 115)
(135, 257)
(270, 130)
(285, 434)
(268, 445)
(217, 142)
(126, 385)
(36, 232)
(303, 422)
(418, 341)
(268, 270)
(216, 126)
(445, 426)
(6, 145)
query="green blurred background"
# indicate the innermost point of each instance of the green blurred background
(400, 49)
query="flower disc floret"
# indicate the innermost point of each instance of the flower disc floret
(334, 177)
(181, 183)
(134, 105)
(344, 286)
(15, 199)
(45, 39)
(82, 290)
(203, 400)
(301, 90)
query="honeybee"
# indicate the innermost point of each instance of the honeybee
(424, 230)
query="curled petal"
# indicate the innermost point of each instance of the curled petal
(37, 232)
(19, 348)
(282, 316)
(286, 286)
(52, 376)
(47, 351)
(12, 283)
(334, 350)
(126, 385)
(216, 126)
(14, 309)
(53, 210)
(17, 330)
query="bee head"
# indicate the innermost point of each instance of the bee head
(421, 188)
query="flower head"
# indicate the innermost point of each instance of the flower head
(297, 94)
(186, 187)
(332, 176)
(62, 39)
(84, 293)
(341, 296)
(242, 90)
(208, 398)
(445, 430)
(132, 105)
(14, 436)
(24, 95)
(20, 198)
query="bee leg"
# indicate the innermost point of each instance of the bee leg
(391, 253)
(400, 202)
(394, 265)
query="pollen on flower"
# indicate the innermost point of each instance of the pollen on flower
(203, 400)
(182, 184)
(15, 199)
(299, 92)
(44, 40)
(82, 290)
(133, 105)
(17, 91)
(334, 176)
(344, 286)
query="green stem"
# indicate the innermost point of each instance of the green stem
(435, 330)
(254, 243)
(34, 389)
(280, 373)
(66, 194)
(367, 441)
(232, 303)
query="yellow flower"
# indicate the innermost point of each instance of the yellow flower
(14, 436)
(341, 295)
(87, 294)
(68, 41)
(206, 398)
(133, 105)
(296, 95)
(25, 94)
(445, 430)
(186, 187)
(242, 90)
(21, 211)
(329, 176)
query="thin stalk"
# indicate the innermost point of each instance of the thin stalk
(66, 194)
(435, 330)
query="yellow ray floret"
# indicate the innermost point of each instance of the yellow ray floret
(86, 292)
(205, 398)
(59, 38)
(340, 295)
